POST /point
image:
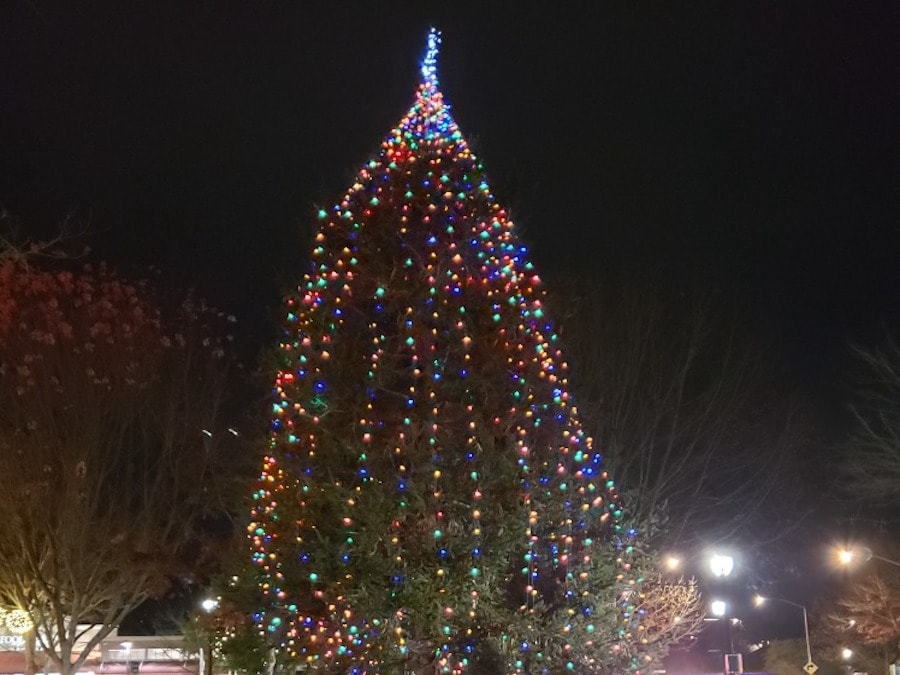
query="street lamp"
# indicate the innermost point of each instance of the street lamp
(673, 563)
(846, 657)
(208, 605)
(847, 556)
(759, 600)
(721, 565)
(733, 663)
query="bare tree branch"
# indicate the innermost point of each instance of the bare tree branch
(871, 461)
(25, 250)
(106, 471)
(866, 616)
(692, 421)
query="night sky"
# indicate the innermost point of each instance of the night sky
(749, 149)
(755, 149)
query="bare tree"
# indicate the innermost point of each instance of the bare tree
(672, 611)
(867, 616)
(871, 463)
(66, 242)
(693, 424)
(109, 449)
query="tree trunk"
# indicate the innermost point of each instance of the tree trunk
(419, 663)
(30, 644)
(206, 655)
(65, 652)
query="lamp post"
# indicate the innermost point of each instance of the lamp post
(846, 656)
(759, 600)
(731, 662)
(208, 605)
(722, 565)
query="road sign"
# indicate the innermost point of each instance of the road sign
(810, 668)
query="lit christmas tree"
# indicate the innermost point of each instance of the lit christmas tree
(430, 502)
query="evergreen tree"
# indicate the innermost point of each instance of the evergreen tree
(429, 499)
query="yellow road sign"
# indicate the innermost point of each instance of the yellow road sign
(810, 668)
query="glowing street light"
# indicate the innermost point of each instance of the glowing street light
(208, 605)
(846, 653)
(718, 608)
(721, 565)
(672, 563)
(847, 556)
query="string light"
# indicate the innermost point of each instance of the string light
(421, 414)
(18, 621)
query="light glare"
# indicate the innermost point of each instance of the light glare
(721, 565)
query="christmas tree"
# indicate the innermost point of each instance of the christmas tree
(429, 501)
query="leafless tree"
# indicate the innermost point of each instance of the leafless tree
(866, 615)
(672, 611)
(694, 425)
(66, 242)
(109, 449)
(871, 461)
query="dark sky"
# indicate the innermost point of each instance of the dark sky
(753, 147)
